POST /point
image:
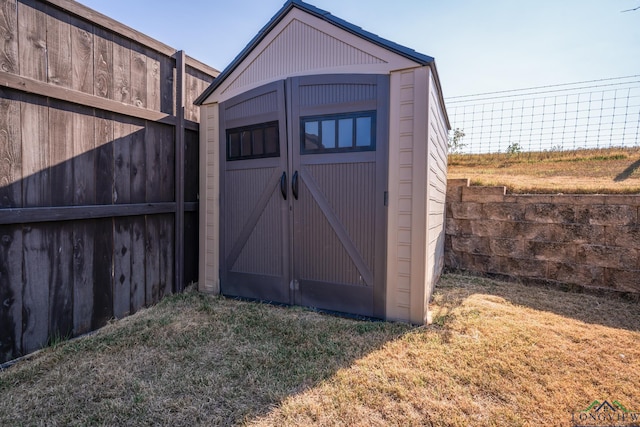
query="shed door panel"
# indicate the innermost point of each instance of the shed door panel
(319, 240)
(339, 219)
(254, 220)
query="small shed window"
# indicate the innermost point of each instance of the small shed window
(253, 142)
(338, 133)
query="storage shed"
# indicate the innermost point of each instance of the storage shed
(323, 170)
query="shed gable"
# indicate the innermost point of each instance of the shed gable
(297, 48)
(301, 40)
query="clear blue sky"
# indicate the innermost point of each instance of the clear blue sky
(479, 46)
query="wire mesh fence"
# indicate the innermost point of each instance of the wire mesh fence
(583, 115)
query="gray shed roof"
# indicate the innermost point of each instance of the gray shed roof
(322, 14)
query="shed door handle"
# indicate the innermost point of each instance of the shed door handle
(283, 185)
(294, 185)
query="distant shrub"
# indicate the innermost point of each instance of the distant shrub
(455, 141)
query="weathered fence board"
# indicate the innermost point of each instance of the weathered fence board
(32, 39)
(81, 56)
(84, 140)
(122, 267)
(92, 189)
(61, 281)
(35, 152)
(60, 134)
(10, 152)
(11, 271)
(83, 249)
(35, 304)
(138, 277)
(9, 36)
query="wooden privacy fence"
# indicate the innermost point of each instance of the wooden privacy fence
(98, 171)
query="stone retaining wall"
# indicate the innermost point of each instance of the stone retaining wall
(590, 241)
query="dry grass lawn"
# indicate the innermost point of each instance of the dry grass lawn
(497, 354)
(614, 170)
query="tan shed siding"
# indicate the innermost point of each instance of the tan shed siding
(209, 210)
(401, 128)
(302, 44)
(436, 186)
(419, 246)
(297, 48)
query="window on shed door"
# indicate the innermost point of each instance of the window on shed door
(338, 133)
(253, 142)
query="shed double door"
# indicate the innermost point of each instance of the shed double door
(303, 193)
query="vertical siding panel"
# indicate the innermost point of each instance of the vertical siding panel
(9, 36)
(400, 207)
(32, 40)
(209, 218)
(436, 185)
(419, 226)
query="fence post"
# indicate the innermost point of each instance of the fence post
(179, 171)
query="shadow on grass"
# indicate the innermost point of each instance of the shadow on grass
(194, 359)
(606, 310)
(190, 360)
(625, 174)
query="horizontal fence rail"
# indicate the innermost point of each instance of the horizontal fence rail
(583, 115)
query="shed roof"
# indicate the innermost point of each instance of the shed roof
(403, 51)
